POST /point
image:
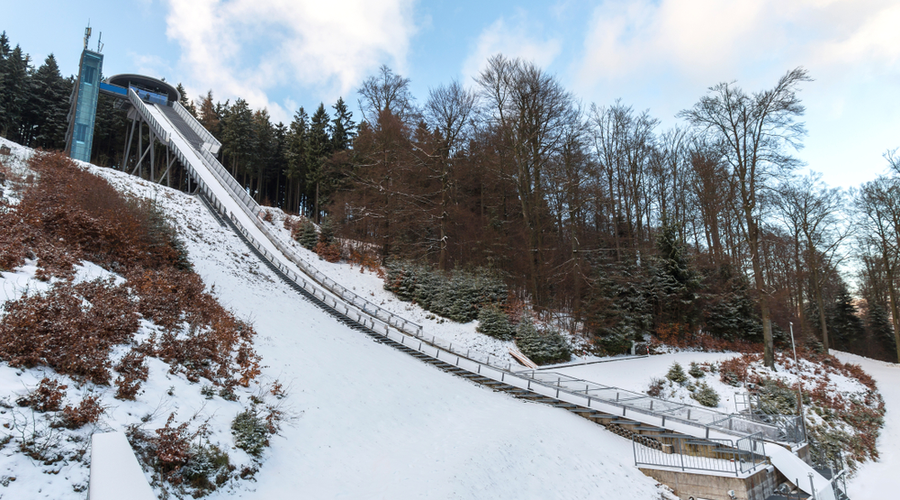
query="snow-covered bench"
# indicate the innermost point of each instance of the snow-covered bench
(115, 472)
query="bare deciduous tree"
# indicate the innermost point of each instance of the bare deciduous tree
(756, 129)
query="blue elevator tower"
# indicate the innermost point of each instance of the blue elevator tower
(83, 110)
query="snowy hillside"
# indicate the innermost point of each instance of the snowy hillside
(367, 421)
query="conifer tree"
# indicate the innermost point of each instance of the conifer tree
(343, 130)
(319, 152)
(297, 159)
(47, 106)
(13, 94)
(209, 116)
(185, 101)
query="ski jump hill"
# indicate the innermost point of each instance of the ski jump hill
(648, 421)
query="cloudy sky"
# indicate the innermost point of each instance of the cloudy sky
(659, 55)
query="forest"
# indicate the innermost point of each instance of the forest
(708, 232)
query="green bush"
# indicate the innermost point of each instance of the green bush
(542, 347)
(250, 432)
(706, 395)
(307, 235)
(494, 322)
(207, 468)
(458, 297)
(326, 232)
(695, 370)
(676, 374)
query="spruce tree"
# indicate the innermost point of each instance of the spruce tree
(208, 115)
(319, 152)
(14, 93)
(342, 127)
(185, 101)
(47, 106)
(297, 159)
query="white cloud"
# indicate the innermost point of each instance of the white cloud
(512, 40)
(244, 48)
(715, 40)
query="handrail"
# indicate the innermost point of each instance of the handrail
(253, 210)
(137, 102)
(711, 455)
(198, 129)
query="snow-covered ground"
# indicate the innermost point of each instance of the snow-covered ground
(371, 422)
(878, 479)
(367, 421)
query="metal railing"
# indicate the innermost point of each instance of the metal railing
(198, 129)
(253, 210)
(709, 455)
(667, 411)
(158, 129)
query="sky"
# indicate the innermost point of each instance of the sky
(656, 55)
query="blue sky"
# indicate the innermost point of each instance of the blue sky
(659, 55)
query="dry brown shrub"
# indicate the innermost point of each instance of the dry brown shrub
(47, 396)
(88, 411)
(55, 328)
(329, 252)
(91, 220)
(172, 444)
(132, 370)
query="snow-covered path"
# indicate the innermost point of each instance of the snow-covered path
(874, 479)
(372, 422)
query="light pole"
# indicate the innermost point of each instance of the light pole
(799, 382)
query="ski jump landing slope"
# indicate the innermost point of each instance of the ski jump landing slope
(233, 202)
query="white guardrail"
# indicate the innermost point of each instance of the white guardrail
(584, 393)
(158, 129)
(200, 130)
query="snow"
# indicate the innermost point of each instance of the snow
(367, 421)
(879, 479)
(370, 422)
(115, 471)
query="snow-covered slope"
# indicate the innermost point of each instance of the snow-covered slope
(878, 479)
(371, 422)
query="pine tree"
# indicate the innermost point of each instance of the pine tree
(4, 88)
(844, 325)
(208, 115)
(238, 139)
(319, 152)
(297, 158)
(185, 101)
(47, 106)
(13, 94)
(343, 130)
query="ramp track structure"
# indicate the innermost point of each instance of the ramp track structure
(628, 413)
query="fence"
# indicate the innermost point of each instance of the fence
(709, 455)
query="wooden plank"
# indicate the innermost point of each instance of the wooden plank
(522, 359)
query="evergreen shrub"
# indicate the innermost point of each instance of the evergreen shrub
(676, 374)
(307, 235)
(706, 395)
(250, 431)
(695, 370)
(458, 297)
(493, 321)
(542, 347)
